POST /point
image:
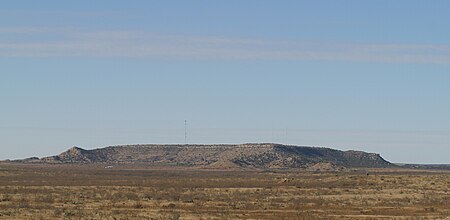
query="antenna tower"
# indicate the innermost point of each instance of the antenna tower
(185, 131)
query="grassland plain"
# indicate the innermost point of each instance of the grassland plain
(61, 191)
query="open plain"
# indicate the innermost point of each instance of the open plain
(62, 191)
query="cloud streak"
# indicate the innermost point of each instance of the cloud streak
(65, 42)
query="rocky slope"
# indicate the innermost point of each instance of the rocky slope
(221, 156)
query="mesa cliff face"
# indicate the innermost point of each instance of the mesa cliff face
(221, 156)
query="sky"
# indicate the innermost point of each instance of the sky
(362, 75)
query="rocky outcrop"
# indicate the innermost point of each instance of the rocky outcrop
(222, 156)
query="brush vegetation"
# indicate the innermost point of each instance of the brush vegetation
(63, 191)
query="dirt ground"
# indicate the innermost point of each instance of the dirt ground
(124, 192)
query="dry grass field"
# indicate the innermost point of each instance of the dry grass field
(90, 192)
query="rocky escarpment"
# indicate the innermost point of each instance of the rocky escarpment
(221, 156)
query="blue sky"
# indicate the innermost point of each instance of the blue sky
(364, 75)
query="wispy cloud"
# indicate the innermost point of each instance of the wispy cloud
(65, 42)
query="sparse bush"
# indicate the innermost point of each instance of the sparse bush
(5, 198)
(23, 203)
(138, 205)
(45, 199)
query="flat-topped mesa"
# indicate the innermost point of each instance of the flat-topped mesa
(249, 145)
(264, 155)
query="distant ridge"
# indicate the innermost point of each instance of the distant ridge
(264, 155)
